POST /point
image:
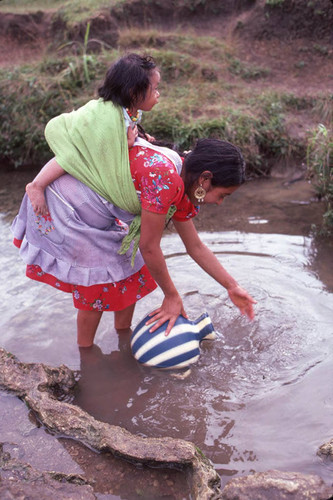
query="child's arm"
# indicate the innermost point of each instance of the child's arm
(35, 189)
(144, 135)
(150, 138)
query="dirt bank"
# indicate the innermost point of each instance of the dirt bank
(292, 38)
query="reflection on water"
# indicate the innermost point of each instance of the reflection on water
(258, 398)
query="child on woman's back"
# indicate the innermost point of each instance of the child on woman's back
(131, 85)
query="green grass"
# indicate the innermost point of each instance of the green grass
(320, 166)
(72, 11)
(191, 107)
(274, 3)
(30, 6)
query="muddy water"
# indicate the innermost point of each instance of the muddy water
(260, 396)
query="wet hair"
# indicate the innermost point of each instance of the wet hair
(224, 160)
(127, 80)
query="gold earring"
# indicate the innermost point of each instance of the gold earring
(200, 193)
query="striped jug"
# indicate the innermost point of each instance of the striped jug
(178, 350)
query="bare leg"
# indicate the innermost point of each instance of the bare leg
(123, 319)
(87, 323)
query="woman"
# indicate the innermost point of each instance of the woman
(77, 248)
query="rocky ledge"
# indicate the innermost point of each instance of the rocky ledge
(43, 389)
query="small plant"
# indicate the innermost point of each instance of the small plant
(321, 49)
(175, 65)
(300, 64)
(246, 71)
(274, 3)
(323, 107)
(319, 160)
(73, 67)
(81, 69)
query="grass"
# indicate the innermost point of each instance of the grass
(320, 166)
(194, 107)
(199, 97)
(75, 7)
(27, 6)
(274, 3)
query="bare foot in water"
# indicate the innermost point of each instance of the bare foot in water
(37, 198)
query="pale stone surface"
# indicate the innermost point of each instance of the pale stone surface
(277, 485)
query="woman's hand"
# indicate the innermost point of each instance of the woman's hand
(170, 309)
(242, 300)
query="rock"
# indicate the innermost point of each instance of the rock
(20, 480)
(277, 485)
(326, 449)
(40, 385)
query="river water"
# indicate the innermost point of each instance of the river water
(260, 396)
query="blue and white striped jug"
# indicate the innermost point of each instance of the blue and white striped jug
(178, 350)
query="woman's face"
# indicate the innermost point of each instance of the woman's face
(147, 103)
(214, 194)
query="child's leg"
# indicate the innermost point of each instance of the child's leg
(87, 323)
(35, 189)
(123, 319)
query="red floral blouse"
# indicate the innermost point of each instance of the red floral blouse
(158, 183)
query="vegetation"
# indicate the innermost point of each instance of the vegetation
(320, 165)
(200, 97)
(76, 10)
(274, 3)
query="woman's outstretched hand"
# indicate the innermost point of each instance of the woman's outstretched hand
(170, 309)
(242, 300)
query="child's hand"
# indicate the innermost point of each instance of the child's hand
(37, 198)
(150, 138)
(132, 134)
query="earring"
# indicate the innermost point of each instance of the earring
(200, 193)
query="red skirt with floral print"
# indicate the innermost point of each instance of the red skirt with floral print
(102, 297)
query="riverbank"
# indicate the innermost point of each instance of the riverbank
(249, 84)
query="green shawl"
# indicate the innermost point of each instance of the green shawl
(91, 145)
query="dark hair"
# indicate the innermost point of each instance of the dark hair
(224, 160)
(127, 80)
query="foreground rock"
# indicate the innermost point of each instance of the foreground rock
(277, 485)
(38, 385)
(326, 449)
(20, 480)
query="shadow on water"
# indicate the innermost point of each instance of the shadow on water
(258, 398)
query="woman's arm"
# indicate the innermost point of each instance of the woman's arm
(206, 259)
(152, 227)
(35, 189)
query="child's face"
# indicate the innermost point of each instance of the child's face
(152, 95)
